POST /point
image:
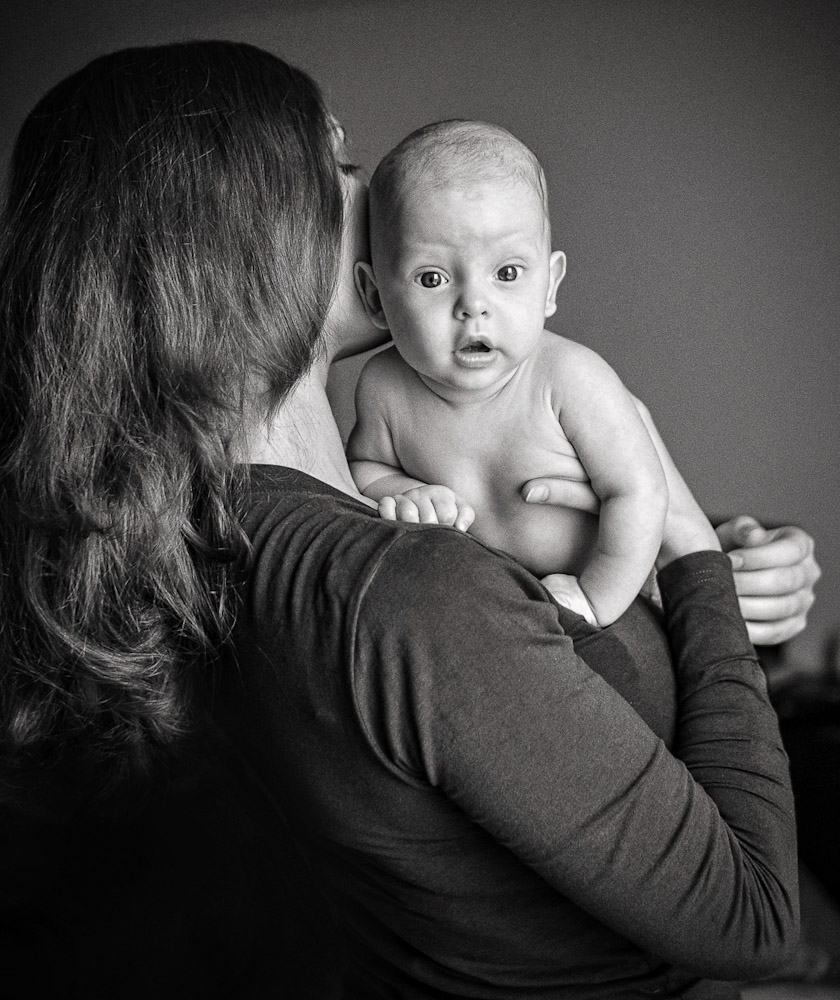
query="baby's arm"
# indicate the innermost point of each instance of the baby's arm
(376, 467)
(370, 449)
(599, 417)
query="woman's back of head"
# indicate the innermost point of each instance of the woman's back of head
(168, 254)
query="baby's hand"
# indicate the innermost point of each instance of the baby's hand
(566, 591)
(428, 505)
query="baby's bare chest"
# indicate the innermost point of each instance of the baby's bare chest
(486, 448)
(486, 453)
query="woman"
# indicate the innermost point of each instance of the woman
(485, 814)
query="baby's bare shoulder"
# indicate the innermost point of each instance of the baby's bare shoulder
(383, 371)
(385, 364)
(389, 387)
(561, 353)
(568, 364)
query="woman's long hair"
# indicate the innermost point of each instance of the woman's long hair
(168, 253)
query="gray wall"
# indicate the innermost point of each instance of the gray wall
(692, 153)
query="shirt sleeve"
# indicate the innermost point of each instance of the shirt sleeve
(466, 680)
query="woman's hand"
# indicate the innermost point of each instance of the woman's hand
(568, 487)
(775, 573)
(687, 529)
(775, 570)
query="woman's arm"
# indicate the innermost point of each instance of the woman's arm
(775, 570)
(691, 856)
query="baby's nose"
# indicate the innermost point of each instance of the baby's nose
(471, 304)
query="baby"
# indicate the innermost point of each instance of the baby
(475, 394)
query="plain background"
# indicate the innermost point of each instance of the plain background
(692, 153)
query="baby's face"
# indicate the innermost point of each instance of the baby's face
(466, 278)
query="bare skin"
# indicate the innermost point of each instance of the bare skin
(485, 449)
(479, 397)
(775, 572)
(775, 569)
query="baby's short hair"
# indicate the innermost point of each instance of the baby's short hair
(453, 150)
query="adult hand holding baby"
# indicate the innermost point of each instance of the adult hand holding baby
(775, 569)
(775, 572)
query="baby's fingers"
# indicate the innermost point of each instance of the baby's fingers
(454, 512)
(398, 508)
(427, 505)
(444, 506)
(427, 512)
(466, 516)
(451, 510)
(388, 509)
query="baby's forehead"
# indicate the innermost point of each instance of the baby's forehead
(480, 183)
(511, 200)
(479, 216)
(462, 153)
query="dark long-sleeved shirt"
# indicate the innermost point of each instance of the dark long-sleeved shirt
(497, 799)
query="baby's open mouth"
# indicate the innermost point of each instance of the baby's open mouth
(475, 354)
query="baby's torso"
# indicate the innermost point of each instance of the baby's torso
(486, 451)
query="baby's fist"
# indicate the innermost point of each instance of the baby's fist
(428, 505)
(566, 591)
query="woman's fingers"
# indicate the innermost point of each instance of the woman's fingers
(574, 493)
(778, 561)
(759, 548)
(568, 487)
(777, 580)
(774, 633)
(775, 572)
(768, 609)
(736, 532)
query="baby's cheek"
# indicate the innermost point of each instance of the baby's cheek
(418, 339)
(410, 346)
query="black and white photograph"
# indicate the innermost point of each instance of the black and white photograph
(419, 500)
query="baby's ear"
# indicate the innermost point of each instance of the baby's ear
(556, 273)
(369, 293)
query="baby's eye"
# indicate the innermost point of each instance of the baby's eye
(430, 279)
(510, 272)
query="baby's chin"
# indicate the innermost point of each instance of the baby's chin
(478, 375)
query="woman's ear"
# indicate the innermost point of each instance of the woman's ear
(369, 293)
(556, 273)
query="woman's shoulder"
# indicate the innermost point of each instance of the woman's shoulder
(294, 521)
